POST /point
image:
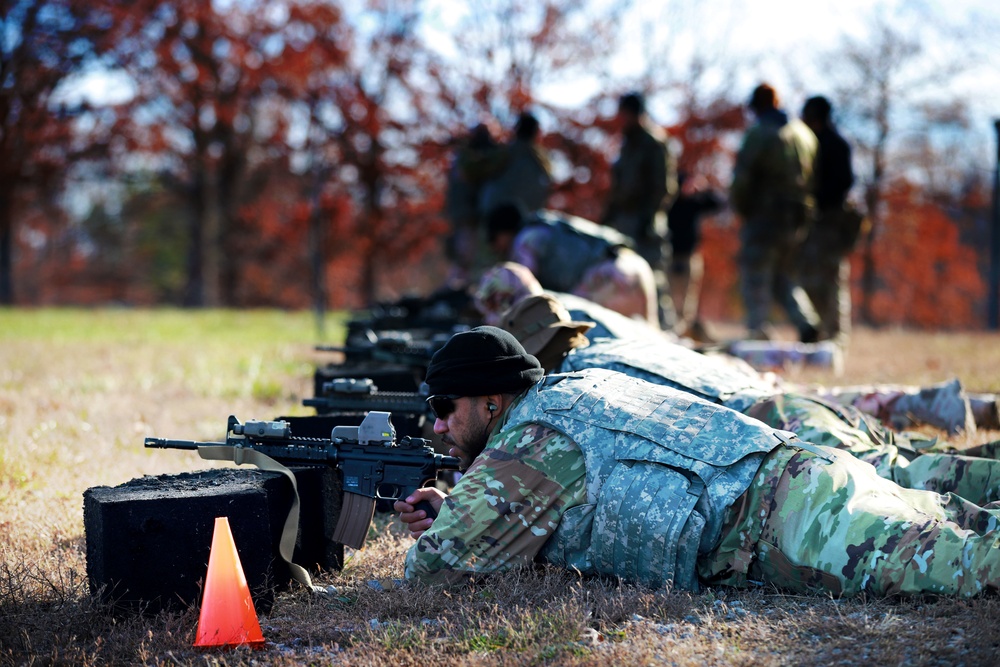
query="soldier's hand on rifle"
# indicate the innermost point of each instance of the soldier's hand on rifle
(416, 519)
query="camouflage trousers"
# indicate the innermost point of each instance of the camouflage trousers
(825, 274)
(830, 525)
(846, 428)
(945, 405)
(768, 274)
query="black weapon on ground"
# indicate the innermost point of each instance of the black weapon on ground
(396, 360)
(404, 347)
(373, 465)
(440, 310)
(347, 395)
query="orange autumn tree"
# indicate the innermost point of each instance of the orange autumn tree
(210, 121)
(42, 45)
(927, 276)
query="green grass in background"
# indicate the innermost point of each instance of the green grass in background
(57, 325)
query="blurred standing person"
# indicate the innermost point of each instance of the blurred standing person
(824, 270)
(643, 180)
(461, 200)
(524, 174)
(772, 192)
(687, 269)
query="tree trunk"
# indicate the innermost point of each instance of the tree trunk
(194, 290)
(202, 288)
(6, 262)
(317, 254)
(211, 240)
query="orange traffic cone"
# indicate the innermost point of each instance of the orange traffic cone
(228, 617)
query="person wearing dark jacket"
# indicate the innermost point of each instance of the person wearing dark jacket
(824, 270)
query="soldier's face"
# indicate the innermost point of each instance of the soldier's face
(465, 429)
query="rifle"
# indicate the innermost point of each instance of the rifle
(374, 466)
(361, 395)
(403, 347)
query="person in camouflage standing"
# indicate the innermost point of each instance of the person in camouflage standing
(524, 174)
(547, 331)
(464, 246)
(607, 474)
(772, 192)
(945, 405)
(643, 183)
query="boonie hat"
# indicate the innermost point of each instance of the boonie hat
(536, 320)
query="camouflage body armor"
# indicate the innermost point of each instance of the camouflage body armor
(662, 466)
(712, 379)
(572, 245)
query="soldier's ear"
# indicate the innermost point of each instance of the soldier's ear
(493, 404)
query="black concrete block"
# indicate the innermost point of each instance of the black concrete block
(148, 540)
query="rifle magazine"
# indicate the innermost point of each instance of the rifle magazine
(355, 517)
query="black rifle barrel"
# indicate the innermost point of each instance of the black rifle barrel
(164, 443)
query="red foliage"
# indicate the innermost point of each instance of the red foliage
(926, 276)
(291, 156)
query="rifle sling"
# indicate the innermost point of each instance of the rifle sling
(286, 546)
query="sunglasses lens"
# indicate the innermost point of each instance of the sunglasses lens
(441, 406)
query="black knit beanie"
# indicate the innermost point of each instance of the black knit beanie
(482, 361)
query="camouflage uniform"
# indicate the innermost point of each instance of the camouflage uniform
(973, 478)
(609, 323)
(504, 508)
(811, 418)
(771, 191)
(945, 405)
(610, 475)
(525, 179)
(570, 254)
(834, 527)
(643, 179)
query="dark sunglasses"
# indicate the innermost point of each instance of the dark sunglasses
(442, 405)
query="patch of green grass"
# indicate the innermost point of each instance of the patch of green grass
(126, 325)
(484, 642)
(13, 475)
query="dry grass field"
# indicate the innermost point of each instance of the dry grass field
(80, 389)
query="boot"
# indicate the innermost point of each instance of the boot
(985, 410)
(944, 406)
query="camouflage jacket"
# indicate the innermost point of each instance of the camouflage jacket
(611, 474)
(504, 508)
(643, 177)
(774, 167)
(559, 248)
(525, 180)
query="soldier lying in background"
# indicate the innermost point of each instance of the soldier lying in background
(945, 406)
(546, 330)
